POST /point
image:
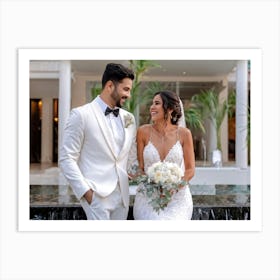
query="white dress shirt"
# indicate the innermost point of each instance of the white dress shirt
(115, 123)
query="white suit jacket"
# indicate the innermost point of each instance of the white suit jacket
(87, 157)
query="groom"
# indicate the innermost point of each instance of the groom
(97, 141)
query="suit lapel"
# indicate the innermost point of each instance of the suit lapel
(103, 126)
(124, 115)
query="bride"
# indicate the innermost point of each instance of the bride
(165, 141)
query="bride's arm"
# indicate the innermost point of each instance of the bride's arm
(140, 139)
(189, 158)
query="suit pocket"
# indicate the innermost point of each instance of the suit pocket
(92, 199)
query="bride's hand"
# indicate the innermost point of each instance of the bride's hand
(184, 183)
(135, 175)
(131, 176)
(172, 192)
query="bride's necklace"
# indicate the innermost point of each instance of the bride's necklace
(161, 131)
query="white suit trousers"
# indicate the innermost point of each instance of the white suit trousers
(110, 207)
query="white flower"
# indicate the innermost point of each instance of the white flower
(161, 182)
(128, 120)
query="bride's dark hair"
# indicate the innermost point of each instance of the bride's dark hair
(170, 101)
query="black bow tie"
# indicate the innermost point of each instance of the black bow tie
(114, 111)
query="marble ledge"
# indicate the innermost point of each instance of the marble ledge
(203, 196)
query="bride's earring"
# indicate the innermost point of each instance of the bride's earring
(174, 118)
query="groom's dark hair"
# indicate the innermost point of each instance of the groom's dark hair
(116, 72)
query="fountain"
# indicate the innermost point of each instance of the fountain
(213, 202)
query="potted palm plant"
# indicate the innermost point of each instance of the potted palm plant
(207, 105)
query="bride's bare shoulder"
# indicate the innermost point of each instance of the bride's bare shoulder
(185, 132)
(144, 129)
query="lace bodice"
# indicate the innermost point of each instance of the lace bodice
(151, 155)
(181, 205)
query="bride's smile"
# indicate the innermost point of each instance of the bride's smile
(156, 110)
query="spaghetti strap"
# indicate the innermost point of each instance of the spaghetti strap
(178, 136)
(151, 129)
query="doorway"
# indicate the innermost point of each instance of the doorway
(55, 130)
(35, 130)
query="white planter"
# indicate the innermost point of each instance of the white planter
(217, 158)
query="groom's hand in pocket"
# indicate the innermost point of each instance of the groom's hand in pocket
(89, 196)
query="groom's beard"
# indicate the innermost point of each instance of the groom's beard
(116, 97)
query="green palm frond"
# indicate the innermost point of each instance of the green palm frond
(194, 119)
(96, 90)
(142, 66)
(209, 106)
(231, 103)
(153, 87)
(138, 95)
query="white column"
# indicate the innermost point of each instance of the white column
(47, 124)
(241, 150)
(64, 105)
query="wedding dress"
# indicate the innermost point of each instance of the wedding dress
(181, 205)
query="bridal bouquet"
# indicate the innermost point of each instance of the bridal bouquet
(161, 182)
